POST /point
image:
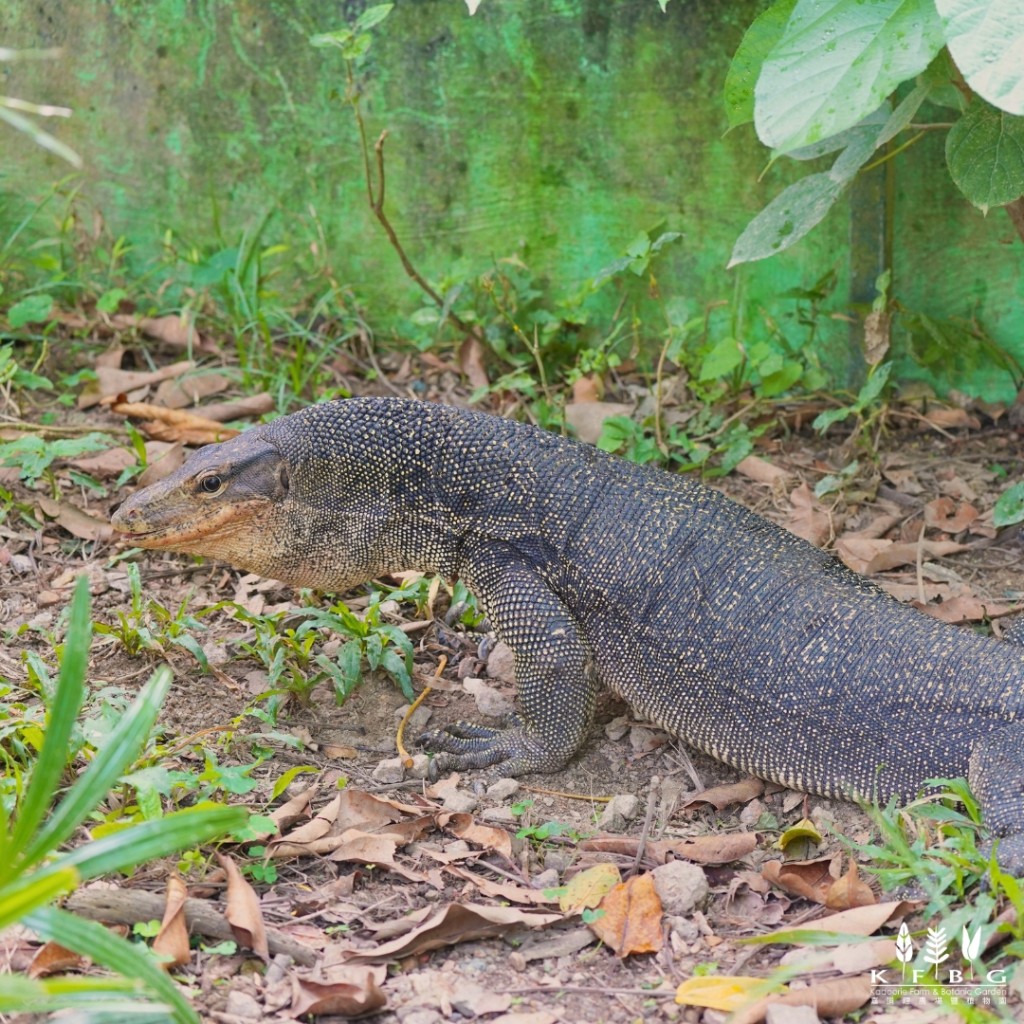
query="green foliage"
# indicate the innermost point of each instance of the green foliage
(815, 76)
(33, 456)
(37, 871)
(1009, 509)
(863, 406)
(295, 666)
(149, 626)
(353, 41)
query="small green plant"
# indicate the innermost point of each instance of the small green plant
(33, 455)
(149, 626)
(295, 666)
(37, 871)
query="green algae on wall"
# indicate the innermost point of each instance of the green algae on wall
(549, 129)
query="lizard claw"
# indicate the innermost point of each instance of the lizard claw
(510, 750)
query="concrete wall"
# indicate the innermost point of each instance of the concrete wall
(554, 129)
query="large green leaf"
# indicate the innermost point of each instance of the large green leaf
(985, 155)
(67, 701)
(986, 38)
(797, 209)
(758, 41)
(94, 941)
(836, 62)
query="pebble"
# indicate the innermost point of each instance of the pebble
(390, 770)
(680, 886)
(241, 1004)
(502, 789)
(619, 810)
(460, 802)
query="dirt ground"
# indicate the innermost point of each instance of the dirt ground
(520, 975)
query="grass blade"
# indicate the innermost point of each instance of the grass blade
(23, 895)
(94, 941)
(67, 702)
(117, 754)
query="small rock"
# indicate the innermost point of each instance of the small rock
(498, 816)
(490, 701)
(47, 597)
(501, 663)
(683, 927)
(418, 1015)
(502, 789)
(547, 879)
(751, 813)
(782, 1014)
(390, 770)
(680, 886)
(618, 811)
(516, 961)
(617, 728)
(417, 720)
(420, 766)
(460, 802)
(556, 860)
(241, 1004)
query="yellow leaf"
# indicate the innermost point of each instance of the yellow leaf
(587, 889)
(804, 829)
(719, 992)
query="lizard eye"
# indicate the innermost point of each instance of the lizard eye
(210, 484)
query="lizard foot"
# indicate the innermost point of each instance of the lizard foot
(510, 750)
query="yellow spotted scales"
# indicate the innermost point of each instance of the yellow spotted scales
(723, 628)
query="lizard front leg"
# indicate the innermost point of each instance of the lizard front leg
(556, 684)
(997, 778)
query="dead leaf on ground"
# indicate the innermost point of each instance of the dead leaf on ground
(586, 389)
(711, 849)
(718, 992)
(243, 911)
(761, 471)
(721, 797)
(490, 838)
(190, 389)
(965, 608)
(344, 991)
(163, 458)
(78, 523)
(471, 362)
(811, 879)
(859, 921)
(952, 419)
(173, 424)
(587, 418)
(834, 998)
(944, 514)
(878, 527)
(868, 556)
(112, 381)
(172, 941)
(902, 478)
(316, 828)
(877, 332)
(808, 518)
(508, 891)
(240, 408)
(106, 465)
(297, 807)
(588, 888)
(631, 922)
(799, 841)
(849, 891)
(455, 923)
(53, 958)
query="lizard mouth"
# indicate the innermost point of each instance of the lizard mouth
(188, 535)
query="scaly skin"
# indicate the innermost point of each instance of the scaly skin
(723, 628)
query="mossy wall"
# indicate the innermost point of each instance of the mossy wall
(550, 129)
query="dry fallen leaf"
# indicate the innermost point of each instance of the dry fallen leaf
(965, 608)
(471, 362)
(243, 911)
(711, 849)
(52, 958)
(761, 471)
(487, 836)
(74, 520)
(588, 888)
(808, 518)
(448, 926)
(190, 389)
(631, 922)
(811, 879)
(721, 797)
(868, 556)
(171, 942)
(849, 891)
(344, 991)
(718, 992)
(834, 998)
(859, 921)
(944, 514)
(587, 418)
(508, 891)
(111, 381)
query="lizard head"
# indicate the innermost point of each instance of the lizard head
(228, 500)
